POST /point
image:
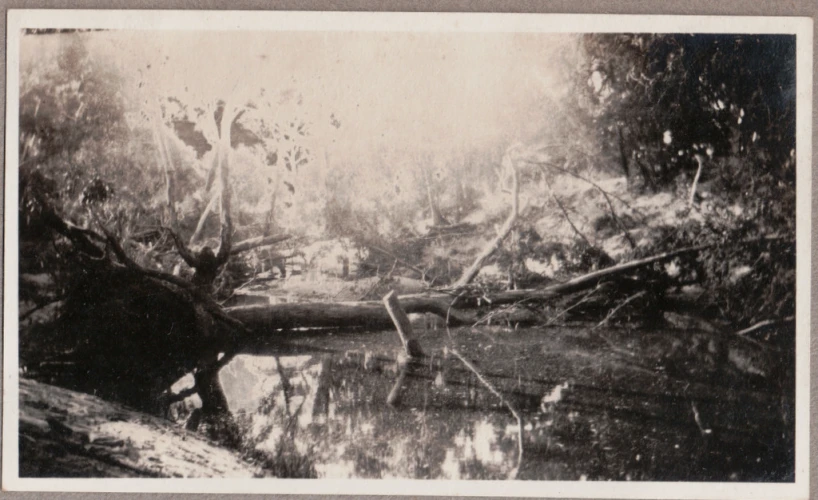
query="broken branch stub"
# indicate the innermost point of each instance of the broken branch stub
(404, 327)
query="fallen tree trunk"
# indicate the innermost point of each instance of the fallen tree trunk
(371, 314)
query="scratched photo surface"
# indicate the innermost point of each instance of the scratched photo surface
(516, 256)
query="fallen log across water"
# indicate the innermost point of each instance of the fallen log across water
(370, 314)
(373, 314)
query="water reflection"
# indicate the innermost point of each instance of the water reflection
(323, 403)
(335, 409)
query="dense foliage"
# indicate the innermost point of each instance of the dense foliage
(705, 117)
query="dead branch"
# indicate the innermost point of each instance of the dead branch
(617, 219)
(36, 308)
(605, 195)
(700, 161)
(400, 261)
(268, 318)
(577, 304)
(206, 300)
(589, 181)
(764, 324)
(83, 238)
(617, 308)
(470, 273)
(565, 213)
(404, 327)
(272, 317)
(591, 279)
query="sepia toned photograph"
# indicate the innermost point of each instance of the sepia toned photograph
(504, 253)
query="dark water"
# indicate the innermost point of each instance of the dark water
(624, 406)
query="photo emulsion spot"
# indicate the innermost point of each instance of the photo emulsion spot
(369, 257)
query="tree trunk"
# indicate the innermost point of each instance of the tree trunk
(623, 157)
(692, 197)
(437, 217)
(370, 314)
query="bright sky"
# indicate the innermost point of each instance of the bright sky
(396, 91)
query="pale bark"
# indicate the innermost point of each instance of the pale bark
(370, 314)
(402, 324)
(692, 198)
(202, 219)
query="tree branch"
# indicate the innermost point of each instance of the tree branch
(210, 305)
(605, 195)
(400, 261)
(81, 237)
(700, 161)
(589, 181)
(470, 273)
(182, 249)
(565, 213)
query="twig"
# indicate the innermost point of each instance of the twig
(605, 195)
(578, 303)
(36, 308)
(617, 219)
(400, 261)
(763, 324)
(617, 308)
(589, 181)
(697, 419)
(565, 212)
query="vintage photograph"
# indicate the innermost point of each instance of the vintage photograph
(519, 253)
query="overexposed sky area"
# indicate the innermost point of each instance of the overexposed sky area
(433, 92)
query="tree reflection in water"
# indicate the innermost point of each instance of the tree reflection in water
(320, 403)
(334, 409)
